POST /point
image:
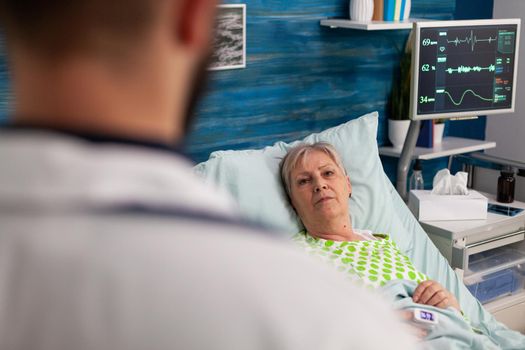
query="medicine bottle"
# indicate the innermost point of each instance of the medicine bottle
(416, 180)
(506, 183)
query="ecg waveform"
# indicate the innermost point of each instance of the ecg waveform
(467, 69)
(463, 96)
(472, 40)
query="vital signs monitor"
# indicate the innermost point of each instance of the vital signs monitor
(464, 68)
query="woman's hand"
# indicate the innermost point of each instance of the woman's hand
(432, 293)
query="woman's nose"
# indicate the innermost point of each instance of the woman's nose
(319, 186)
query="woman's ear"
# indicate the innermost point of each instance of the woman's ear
(349, 185)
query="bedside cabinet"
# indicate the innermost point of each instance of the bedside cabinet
(489, 255)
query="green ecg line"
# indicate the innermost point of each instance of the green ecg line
(468, 69)
(463, 96)
(473, 40)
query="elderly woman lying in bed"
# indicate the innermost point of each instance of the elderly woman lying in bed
(318, 189)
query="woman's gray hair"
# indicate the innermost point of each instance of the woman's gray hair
(300, 152)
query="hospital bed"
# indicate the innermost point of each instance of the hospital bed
(252, 178)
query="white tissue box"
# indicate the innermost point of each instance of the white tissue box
(428, 207)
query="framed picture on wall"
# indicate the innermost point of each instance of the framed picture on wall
(229, 42)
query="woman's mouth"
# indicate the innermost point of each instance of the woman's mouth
(323, 199)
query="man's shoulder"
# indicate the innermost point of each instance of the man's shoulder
(62, 171)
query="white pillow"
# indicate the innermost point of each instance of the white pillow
(252, 177)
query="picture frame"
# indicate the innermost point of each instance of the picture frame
(229, 42)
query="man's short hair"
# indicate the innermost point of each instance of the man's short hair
(299, 153)
(59, 27)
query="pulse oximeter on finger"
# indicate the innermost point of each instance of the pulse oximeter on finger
(425, 318)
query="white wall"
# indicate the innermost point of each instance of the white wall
(508, 130)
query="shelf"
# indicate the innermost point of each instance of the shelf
(371, 25)
(448, 147)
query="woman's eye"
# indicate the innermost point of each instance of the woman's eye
(329, 173)
(302, 182)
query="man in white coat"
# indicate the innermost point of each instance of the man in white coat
(107, 241)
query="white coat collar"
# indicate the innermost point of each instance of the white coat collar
(44, 170)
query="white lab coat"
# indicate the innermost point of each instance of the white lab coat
(80, 270)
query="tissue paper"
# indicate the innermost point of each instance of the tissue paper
(446, 184)
(449, 200)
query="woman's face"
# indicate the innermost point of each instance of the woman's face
(319, 190)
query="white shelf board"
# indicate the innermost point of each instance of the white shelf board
(370, 25)
(448, 147)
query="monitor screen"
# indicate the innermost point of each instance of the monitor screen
(464, 68)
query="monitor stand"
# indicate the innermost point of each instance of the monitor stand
(406, 157)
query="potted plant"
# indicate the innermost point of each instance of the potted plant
(398, 121)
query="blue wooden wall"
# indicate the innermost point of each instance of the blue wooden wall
(301, 77)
